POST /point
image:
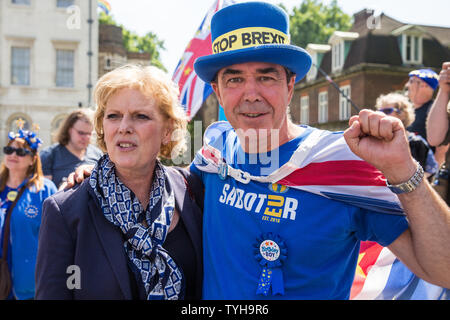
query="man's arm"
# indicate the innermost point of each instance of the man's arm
(381, 141)
(437, 120)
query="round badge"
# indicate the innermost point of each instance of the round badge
(11, 195)
(269, 250)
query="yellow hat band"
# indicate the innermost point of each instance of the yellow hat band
(248, 37)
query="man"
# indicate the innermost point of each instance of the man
(73, 148)
(282, 219)
(438, 128)
(269, 228)
(421, 86)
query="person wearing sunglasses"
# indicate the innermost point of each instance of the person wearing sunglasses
(21, 169)
(397, 105)
(73, 147)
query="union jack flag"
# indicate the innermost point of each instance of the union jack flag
(381, 276)
(193, 91)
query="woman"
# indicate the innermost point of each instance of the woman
(130, 231)
(397, 105)
(21, 168)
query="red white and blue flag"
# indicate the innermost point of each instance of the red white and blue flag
(193, 91)
(381, 276)
(324, 165)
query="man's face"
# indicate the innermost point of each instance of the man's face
(419, 91)
(80, 134)
(255, 95)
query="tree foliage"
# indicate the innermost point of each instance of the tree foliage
(132, 42)
(314, 22)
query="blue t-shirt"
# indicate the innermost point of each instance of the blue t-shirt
(59, 162)
(24, 231)
(321, 235)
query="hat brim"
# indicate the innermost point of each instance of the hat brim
(292, 57)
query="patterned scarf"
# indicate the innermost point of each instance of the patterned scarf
(161, 276)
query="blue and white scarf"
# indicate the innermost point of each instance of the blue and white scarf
(161, 277)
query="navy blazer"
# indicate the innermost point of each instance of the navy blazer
(74, 232)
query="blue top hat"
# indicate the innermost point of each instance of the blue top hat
(427, 75)
(251, 32)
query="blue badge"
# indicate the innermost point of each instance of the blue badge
(223, 170)
(270, 251)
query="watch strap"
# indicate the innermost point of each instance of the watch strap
(409, 185)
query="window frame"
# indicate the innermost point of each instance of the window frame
(416, 46)
(28, 3)
(345, 108)
(13, 66)
(304, 109)
(64, 69)
(65, 6)
(322, 116)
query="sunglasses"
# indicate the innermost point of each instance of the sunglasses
(21, 152)
(389, 110)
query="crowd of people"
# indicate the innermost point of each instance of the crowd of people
(232, 225)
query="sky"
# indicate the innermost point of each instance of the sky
(176, 21)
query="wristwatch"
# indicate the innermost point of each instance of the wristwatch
(409, 185)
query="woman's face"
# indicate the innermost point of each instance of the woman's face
(134, 130)
(17, 163)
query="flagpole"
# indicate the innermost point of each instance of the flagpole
(328, 78)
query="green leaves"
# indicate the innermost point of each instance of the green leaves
(314, 22)
(132, 42)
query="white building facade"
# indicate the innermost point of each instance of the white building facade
(48, 62)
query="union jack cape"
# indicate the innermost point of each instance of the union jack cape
(193, 91)
(324, 165)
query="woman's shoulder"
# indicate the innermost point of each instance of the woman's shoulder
(73, 198)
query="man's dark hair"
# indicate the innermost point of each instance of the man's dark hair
(289, 75)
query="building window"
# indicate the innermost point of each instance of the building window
(344, 104)
(338, 55)
(64, 68)
(20, 66)
(25, 2)
(304, 110)
(64, 3)
(412, 49)
(312, 74)
(323, 107)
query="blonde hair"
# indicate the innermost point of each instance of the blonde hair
(152, 83)
(400, 102)
(34, 171)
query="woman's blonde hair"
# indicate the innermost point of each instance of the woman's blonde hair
(152, 83)
(34, 171)
(400, 102)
